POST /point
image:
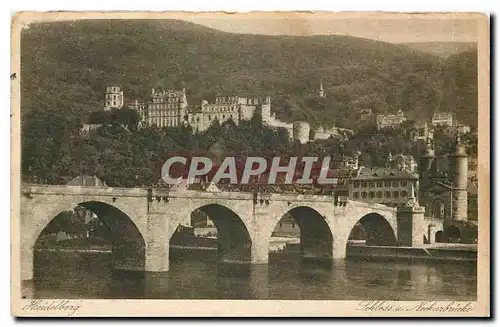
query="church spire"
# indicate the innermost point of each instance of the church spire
(321, 91)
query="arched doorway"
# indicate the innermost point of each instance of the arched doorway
(372, 229)
(452, 234)
(302, 231)
(212, 228)
(439, 236)
(79, 251)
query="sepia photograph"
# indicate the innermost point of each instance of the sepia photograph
(337, 161)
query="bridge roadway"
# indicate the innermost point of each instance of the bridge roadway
(144, 220)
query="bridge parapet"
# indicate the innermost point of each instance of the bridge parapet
(82, 190)
(374, 206)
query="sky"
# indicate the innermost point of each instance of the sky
(387, 27)
(394, 29)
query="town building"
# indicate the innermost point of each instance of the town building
(402, 162)
(420, 132)
(451, 125)
(458, 129)
(388, 186)
(350, 162)
(385, 121)
(443, 119)
(86, 128)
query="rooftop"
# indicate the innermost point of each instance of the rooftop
(376, 173)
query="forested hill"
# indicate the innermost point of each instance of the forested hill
(443, 49)
(66, 65)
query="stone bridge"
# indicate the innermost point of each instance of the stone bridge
(143, 221)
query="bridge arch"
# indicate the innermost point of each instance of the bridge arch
(126, 240)
(375, 228)
(316, 239)
(234, 241)
(39, 210)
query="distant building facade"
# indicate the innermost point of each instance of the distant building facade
(388, 186)
(225, 108)
(113, 98)
(420, 132)
(385, 121)
(443, 119)
(169, 108)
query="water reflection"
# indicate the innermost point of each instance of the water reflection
(72, 275)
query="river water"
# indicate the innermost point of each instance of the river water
(90, 276)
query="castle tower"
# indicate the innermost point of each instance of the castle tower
(183, 100)
(425, 167)
(266, 109)
(113, 98)
(458, 175)
(321, 90)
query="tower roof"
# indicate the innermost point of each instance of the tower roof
(429, 149)
(460, 150)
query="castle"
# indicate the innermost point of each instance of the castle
(169, 108)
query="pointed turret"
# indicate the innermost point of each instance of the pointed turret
(321, 90)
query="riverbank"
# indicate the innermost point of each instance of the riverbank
(434, 252)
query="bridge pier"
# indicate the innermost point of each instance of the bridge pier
(157, 243)
(260, 249)
(339, 250)
(411, 225)
(26, 258)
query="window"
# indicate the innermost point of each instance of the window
(355, 195)
(363, 195)
(372, 184)
(404, 183)
(209, 117)
(387, 194)
(372, 195)
(379, 184)
(379, 194)
(281, 224)
(395, 194)
(363, 184)
(404, 194)
(356, 184)
(293, 225)
(387, 184)
(395, 184)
